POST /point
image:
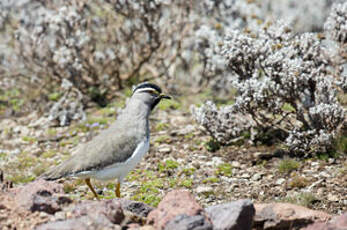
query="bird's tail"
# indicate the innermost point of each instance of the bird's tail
(54, 173)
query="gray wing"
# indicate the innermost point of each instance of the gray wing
(107, 148)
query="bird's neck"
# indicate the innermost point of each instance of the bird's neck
(135, 115)
(136, 108)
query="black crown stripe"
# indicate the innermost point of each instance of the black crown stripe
(147, 85)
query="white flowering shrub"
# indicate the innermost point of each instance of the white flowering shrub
(68, 108)
(99, 44)
(224, 124)
(95, 45)
(336, 24)
(283, 82)
(302, 15)
(336, 30)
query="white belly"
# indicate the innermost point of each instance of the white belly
(120, 170)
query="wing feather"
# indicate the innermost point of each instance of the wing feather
(107, 148)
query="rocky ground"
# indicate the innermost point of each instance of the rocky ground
(181, 156)
(43, 205)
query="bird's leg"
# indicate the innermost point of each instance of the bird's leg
(91, 188)
(117, 190)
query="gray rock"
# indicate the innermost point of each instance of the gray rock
(135, 207)
(84, 222)
(105, 214)
(237, 215)
(45, 202)
(184, 222)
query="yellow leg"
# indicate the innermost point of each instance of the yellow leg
(91, 188)
(118, 190)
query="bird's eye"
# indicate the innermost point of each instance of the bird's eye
(153, 93)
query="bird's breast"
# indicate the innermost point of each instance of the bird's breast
(139, 152)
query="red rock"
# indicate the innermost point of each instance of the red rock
(177, 202)
(285, 216)
(321, 226)
(111, 209)
(337, 223)
(147, 227)
(40, 195)
(133, 226)
(340, 221)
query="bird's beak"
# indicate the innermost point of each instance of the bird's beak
(162, 96)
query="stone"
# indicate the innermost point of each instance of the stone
(286, 216)
(42, 196)
(340, 221)
(332, 197)
(84, 222)
(22, 130)
(245, 176)
(256, 177)
(324, 174)
(235, 164)
(204, 190)
(7, 124)
(147, 227)
(133, 226)
(175, 203)
(111, 209)
(135, 207)
(337, 223)
(215, 161)
(186, 130)
(184, 222)
(44, 202)
(164, 149)
(237, 215)
(280, 181)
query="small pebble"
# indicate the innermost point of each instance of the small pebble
(332, 197)
(204, 190)
(280, 181)
(165, 150)
(235, 164)
(256, 177)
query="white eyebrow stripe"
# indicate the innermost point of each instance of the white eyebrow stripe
(146, 90)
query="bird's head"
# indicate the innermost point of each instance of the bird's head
(149, 93)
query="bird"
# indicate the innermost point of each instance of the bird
(115, 151)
